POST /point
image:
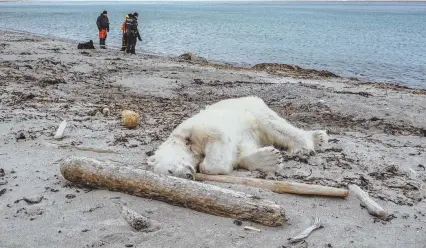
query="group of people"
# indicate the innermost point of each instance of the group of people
(130, 31)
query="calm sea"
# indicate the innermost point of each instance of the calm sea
(379, 41)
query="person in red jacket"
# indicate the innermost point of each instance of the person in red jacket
(103, 26)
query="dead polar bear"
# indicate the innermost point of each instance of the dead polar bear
(232, 133)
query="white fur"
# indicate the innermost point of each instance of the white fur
(231, 133)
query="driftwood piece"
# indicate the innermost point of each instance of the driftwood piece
(305, 233)
(61, 129)
(276, 186)
(182, 192)
(250, 228)
(86, 149)
(137, 221)
(372, 207)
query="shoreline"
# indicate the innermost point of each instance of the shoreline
(377, 142)
(274, 68)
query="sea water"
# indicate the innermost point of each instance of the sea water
(377, 41)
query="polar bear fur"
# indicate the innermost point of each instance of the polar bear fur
(232, 133)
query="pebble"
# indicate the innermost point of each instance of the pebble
(33, 199)
(70, 196)
(105, 111)
(238, 222)
(3, 191)
(20, 136)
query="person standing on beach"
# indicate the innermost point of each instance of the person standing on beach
(103, 26)
(132, 33)
(124, 38)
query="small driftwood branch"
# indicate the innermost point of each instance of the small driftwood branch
(182, 192)
(372, 207)
(252, 229)
(61, 129)
(137, 221)
(276, 186)
(305, 233)
(86, 149)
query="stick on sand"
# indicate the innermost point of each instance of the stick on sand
(276, 186)
(182, 192)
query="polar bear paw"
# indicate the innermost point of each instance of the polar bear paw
(266, 159)
(320, 138)
(310, 143)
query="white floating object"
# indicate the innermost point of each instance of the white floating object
(60, 132)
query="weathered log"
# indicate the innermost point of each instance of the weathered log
(177, 191)
(276, 186)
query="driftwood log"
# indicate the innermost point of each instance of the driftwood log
(177, 191)
(276, 186)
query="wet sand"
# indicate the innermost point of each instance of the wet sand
(378, 141)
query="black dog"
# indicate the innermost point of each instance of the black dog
(87, 45)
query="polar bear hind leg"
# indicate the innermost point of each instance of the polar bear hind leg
(297, 141)
(275, 130)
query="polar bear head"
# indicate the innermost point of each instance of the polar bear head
(174, 157)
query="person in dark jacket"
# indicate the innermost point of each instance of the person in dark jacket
(123, 28)
(132, 33)
(103, 26)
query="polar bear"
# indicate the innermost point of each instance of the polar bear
(232, 133)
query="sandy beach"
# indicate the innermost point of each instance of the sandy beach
(378, 141)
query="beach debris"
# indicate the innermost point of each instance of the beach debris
(20, 136)
(293, 70)
(105, 111)
(3, 191)
(238, 222)
(174, 190)
(52, 81)
(130, 119)
(275, 186)
(85, 149)
(250, 228)
(2, 172)
(3, 181)
(192, 57)
(305, 233)
(33, 199)
(137, 221)
(70, 196)
(61, 129)
(372, 207)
